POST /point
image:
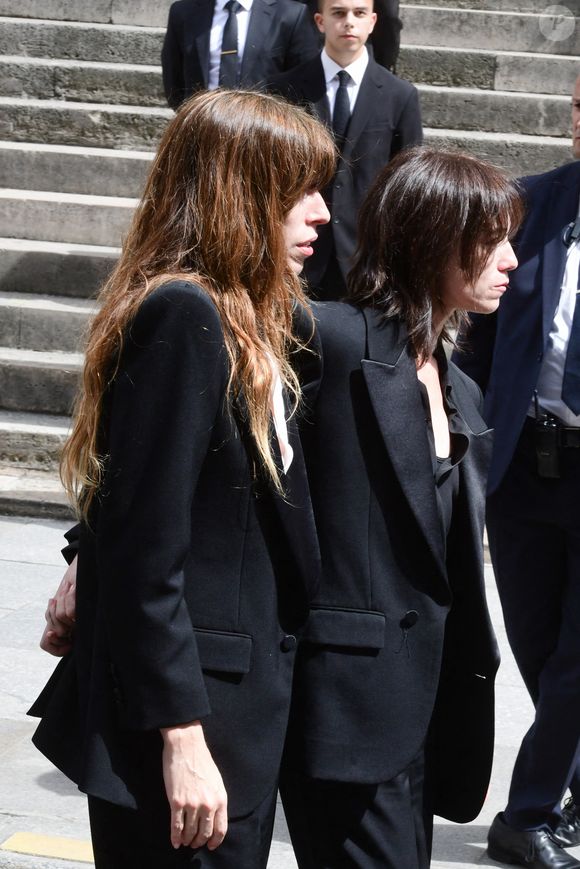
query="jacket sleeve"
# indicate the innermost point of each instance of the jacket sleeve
(304, 42)
(409, 128)
(386, 36)
(166, 395)
(172, 63)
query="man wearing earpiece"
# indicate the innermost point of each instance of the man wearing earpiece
(527, 362)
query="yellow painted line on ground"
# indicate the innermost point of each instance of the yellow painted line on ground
(49, 846)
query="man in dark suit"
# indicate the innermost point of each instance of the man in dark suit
(373, 114)
(211, 43)
(526, 359)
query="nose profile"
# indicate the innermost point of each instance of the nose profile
(319, 211)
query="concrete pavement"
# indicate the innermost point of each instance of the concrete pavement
(42, 812)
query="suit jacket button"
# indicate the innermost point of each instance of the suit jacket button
(288, 643)
(336, 220)
(409, 619)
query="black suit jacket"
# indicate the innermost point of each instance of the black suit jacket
(190, 575)
(399, 647)
(386, 119)
(280, 36)
(504, 351)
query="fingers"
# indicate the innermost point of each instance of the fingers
(65, 602)
(220, 827)
(53, 644)
(196, 827)
(177, 818)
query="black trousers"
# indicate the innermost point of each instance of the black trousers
(127, 839)
(338, 825)
(534, 535)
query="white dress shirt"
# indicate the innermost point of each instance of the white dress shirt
(355, 70)
(220, 16)
(552, 370)
(279, 416)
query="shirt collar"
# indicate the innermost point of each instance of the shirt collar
(356, 70)
(221, 4)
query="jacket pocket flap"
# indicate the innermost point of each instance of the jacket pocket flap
(359, 629)
(218, 650)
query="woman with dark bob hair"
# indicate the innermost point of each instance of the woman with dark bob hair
(197, 553)
(392, 716)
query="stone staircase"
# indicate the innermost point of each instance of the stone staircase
(81, 109)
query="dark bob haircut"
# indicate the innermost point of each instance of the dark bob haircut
(427, 209)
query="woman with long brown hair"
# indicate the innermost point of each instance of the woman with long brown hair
(197, 551)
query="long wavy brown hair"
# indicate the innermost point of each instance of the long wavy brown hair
(229, 168)
(426, 209)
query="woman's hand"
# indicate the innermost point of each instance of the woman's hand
(60, 615)
(194, 787)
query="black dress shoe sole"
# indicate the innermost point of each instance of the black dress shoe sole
(501, 856)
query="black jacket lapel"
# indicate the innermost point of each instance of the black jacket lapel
(391, 379)
(294, 508)
(261, 17)
(369, 96)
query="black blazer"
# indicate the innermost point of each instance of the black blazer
(192, 577)
(280, 35)
(386, 118)
(399, 648)
(504, 351)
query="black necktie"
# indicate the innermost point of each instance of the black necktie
(341, 114)
(229, 54)
(571, 378)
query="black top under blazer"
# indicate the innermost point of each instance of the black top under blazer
(399, 650)
(280, 35)
(386, 118)
(192, 577)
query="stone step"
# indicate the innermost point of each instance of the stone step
(33, 493)
(494, 5)
(32, 440)
(494, 30)
(38, 382)
(495, 111)
(76, 270)
(56, 122)
(48, 323)
(77, 40)
(70, 169)
(518, 155)
(141, 85)
(490, 70)
(79, 81)
(68, 217)
(139, 128)
(154, 13)
(138, 12)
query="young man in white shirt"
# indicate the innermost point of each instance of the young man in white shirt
(373, 115)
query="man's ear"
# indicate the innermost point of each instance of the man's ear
(319, 21)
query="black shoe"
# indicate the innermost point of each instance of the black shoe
(567, 833)
(535, 849)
